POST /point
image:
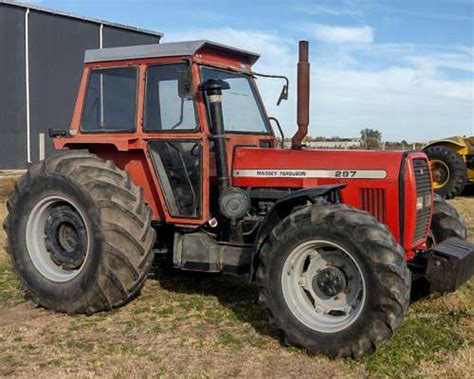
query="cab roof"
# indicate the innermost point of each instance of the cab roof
(162, 50)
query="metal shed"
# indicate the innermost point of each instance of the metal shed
(41, 58)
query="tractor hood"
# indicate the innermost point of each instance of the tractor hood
(306, 168)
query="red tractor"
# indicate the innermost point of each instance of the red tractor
(170, 155)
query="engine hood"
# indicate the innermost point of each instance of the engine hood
(305, 168)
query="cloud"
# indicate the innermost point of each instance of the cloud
(341, 34)
(314, 9)
(265, 44)
(426, 13)
(400, 89)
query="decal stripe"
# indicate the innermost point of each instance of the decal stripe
(310, 174)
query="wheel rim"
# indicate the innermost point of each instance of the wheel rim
(440, 173)
(57, 238)
(323, 286)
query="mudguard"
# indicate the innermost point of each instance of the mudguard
(284, 206)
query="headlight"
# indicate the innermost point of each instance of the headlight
(423, 202)
(419, 203)
(428, 200)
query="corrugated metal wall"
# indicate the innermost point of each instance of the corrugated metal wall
(12, 88)
(56, 53)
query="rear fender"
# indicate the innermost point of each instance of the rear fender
(283, 207)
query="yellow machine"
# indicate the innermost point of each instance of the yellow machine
(452, 164)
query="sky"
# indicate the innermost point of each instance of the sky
(404, 67)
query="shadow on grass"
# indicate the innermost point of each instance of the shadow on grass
(424, 334)
(232, 292)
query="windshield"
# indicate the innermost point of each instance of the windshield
(242, 111)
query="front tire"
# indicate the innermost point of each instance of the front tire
(79, 234)
(445, 222)
(351, 293)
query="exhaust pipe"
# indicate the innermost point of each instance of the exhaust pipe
(303, 96)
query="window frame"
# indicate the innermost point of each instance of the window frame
(257, 98)
(133, 128)
(169, 131)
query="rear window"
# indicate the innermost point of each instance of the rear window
(110, 100)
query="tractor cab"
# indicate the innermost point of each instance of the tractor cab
(145, 100)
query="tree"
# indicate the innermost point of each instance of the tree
(371, 138)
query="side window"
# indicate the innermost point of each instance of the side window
(164, 109)
(110, 103)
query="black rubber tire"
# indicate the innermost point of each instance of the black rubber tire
(457, 170)
(120, 254)
(381, 259)
(446, 222)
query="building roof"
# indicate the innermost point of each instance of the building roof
(88, 19)
(172, 49)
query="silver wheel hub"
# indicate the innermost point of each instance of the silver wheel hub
(323, 286)
(57, 238)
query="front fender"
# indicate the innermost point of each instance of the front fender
(283, 207)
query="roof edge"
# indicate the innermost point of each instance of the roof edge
(167, 49)
(34, 7)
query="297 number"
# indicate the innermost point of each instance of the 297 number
(345, 173)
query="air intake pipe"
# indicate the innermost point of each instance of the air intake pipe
(213, 89)
(234, 203)
(303, 96)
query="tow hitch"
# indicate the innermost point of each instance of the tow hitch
(448, 265)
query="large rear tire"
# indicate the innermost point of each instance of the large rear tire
(448, 169)
(79, 234)
(350, 292)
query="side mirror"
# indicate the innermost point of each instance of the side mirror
(185, 83)
(283, 94)
(284, 90)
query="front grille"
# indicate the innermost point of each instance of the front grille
(373, 201)
(423, 190)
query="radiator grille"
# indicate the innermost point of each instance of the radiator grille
(423, 190)
(373, 201)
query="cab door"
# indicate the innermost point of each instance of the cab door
(176, 145)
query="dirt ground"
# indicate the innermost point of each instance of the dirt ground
(212, 326)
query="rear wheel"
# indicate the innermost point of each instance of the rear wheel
(333, 280)
(448, 170)
(79, 234)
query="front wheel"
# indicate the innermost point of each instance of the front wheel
(445, 222)
(333, 280)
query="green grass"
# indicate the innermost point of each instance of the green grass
(10, 290)
(225, 314)
(420, 338)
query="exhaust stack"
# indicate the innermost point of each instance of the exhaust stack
(303, 95)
